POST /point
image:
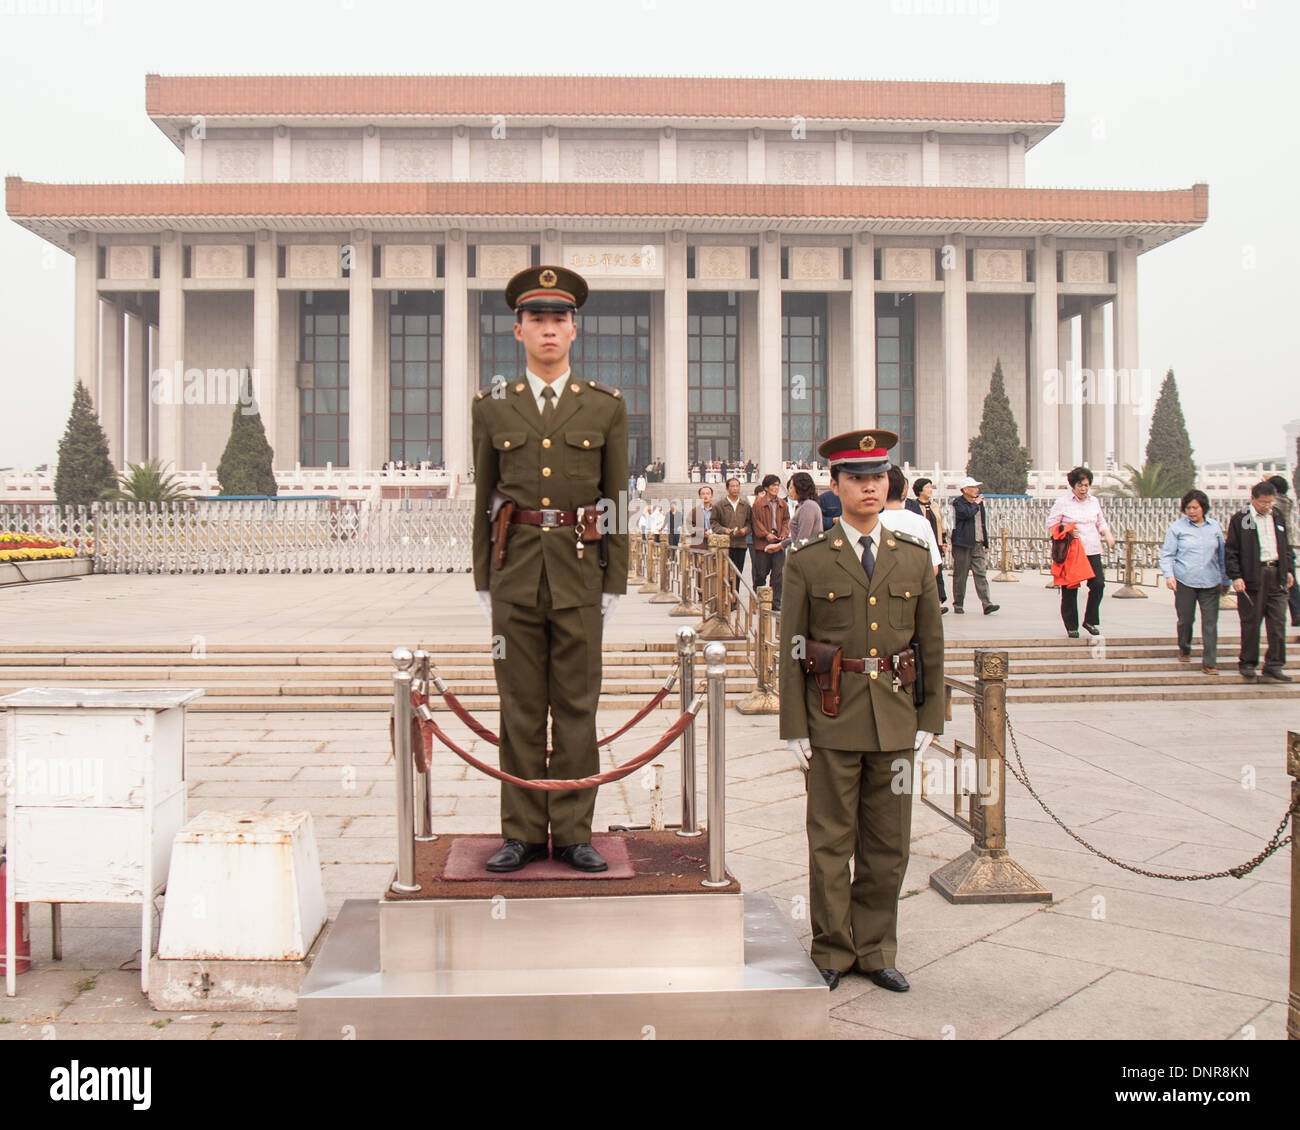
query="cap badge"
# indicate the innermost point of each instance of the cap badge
(547, 277)
(837, 542)
(866, 443)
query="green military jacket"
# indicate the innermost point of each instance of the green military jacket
(580, 461)
(827, 597)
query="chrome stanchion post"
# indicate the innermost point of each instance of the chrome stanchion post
(686, 682)
(423, 800)
(715, 666)
(403, 660)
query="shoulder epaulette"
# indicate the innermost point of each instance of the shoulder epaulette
(911, 539)
(806, 542)
(609, 390)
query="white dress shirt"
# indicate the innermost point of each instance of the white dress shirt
(536, 384)
(906, 522)
(1267, 535)
(855, 539)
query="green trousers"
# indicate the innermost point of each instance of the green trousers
(854, 813)
(547, 659)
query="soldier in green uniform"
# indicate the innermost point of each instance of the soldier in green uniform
(555, 447)
(870, 592)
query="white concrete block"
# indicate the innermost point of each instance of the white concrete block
(243, 886)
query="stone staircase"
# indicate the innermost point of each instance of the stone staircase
(357, 677)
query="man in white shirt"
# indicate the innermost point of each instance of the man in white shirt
(895, 517)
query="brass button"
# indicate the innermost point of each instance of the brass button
(874, 625)
(875, 674)
(872, 600)
(906, 595)
(506, 444)
(546, 502)
(546, 529)
(546, 443)
(586, 443)
(546, 472)
(872, 652)
(830, 596)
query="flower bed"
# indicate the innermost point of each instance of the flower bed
(35, 547)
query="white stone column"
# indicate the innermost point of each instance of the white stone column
(673, 441)
(1095, 394)
(169, 363)
(361, 355)
(930, 171)
(85, 349)
(266, 341)
(550, 155)
(137, 388)
(956, 430)
(193, 158)
(769, 353)
(109, 400)
(1066, 391)
(455, 356)
(862, 321)
(1016, 161)
(552, 247)
(1044, 413)
(844, 164)
(281, 154)
(371, 164)
(757, 164)
(460, 153)
(1128, 386)
(667, 156)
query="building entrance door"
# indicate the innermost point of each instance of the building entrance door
(714, 438)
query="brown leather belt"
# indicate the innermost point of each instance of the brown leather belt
(866, 666)
(590, 514)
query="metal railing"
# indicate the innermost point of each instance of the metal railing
(987, 872)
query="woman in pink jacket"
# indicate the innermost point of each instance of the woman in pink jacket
(1081, 507)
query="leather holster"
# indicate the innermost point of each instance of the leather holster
(822, 662)
(500, 508)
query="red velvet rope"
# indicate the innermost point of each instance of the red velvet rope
(430, 729)
(457, 708)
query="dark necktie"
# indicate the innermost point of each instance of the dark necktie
(548, 407)
(868, 558)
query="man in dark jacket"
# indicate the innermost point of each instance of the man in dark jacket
(1258, 559)
(831, 509)
(970, 543)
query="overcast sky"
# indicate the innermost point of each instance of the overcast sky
(1158, 95)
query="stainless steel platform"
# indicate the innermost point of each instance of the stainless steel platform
(775, 992)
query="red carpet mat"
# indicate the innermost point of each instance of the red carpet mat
(469, 854)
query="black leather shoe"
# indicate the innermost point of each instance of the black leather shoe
(989, 609)
(831, 977)
(890, 979)
(1249, 676)
(1276, 677)
(581, 857)
(960, 611)
(1073, 634)
(1092, 629)
(515, 854)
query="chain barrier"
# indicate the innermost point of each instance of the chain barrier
(1275, 843)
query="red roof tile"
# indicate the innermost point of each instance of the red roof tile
(32, 200)
(576, 95)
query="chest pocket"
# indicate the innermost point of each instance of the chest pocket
(830, 608)
(583, 453)
(902, 605)
(512, 452)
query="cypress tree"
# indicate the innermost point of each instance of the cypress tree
(1168, 443)
(996, 457)
(85, 471)
(246, 464)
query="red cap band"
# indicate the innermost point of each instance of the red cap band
(857, 456)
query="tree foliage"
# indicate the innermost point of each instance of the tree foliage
(246, 465)
(996, 457)
(85, 470)
(1168, 443)
(146, 482)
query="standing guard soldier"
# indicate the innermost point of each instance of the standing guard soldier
(550, 560)
(862, 685)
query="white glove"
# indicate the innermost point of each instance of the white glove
(485, 603)
(608, 602)
(922, 743)
(801, 751)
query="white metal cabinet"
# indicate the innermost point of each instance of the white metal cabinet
(96, 795)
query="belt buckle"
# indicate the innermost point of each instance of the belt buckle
(550, 517)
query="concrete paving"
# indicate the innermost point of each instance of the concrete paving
(1114, 955)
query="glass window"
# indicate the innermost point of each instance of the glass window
(712, 376)
(896, 371)
(415, 426)
(323, 411)
(803, 375)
